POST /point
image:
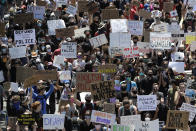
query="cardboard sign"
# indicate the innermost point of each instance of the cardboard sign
(109, 108)
(102, 117)
(41, 3)
(131, 120)
(107, 69)
(26, 119)
(108, 14)
(148, 125)
(168, 6)
(25, 71)
(55, 24)
(193, 46)
(102, 90)
(92, 7)
(17, 52)
(160, 40)
(147, 102)
(82, 6)
(161, 27)
(135, 27)
(120, 39)
(2, 29)
(115, 51)
(25, 37)
(179, 56)
(53, 121)
(145, 14)
(119, 25)
(65, 32)
(118, 127)
(6, 86)
(177, 119)
(71, 10)
(144, 47)
(58, 60)
(84, 79)
(131, 52)
(69, 50)
(189, 108)
(80, 32)
(177, 66)
(98, 40)
(59, 3)
(38, 11)
(23, 18)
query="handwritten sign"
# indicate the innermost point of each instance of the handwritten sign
(23, 18)
(108, 69)
(26, 119)
(190, 37)
(148, 125)
(115, 51)
(147, 102)
(131, 52)
(69, 50)
(65, 32)
(58, 60)
(38, 11)
(53, 121)
(131, 120)
(24, 37)
(161, 27)
(102, 90)
(61, 2)
(103, 117)
(108, 14)
(55, 24)
(135, 27)
(120, 39)
(98, 40)
(71, 10)
(65, 75)
(17, 52)
(118, 127)
(119, 25)
(80, 32)
(14, 86)
(144, 47)
(177, 119)
(109, 108)
(189, 108)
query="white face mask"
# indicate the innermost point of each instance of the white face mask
(147, 119)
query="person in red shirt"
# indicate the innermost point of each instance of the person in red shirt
(134, 11)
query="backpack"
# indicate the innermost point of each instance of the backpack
(122, 110)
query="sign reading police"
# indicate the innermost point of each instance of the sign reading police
(24, 37)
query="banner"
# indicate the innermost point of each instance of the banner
(55, 24)
(107, 69)
(84, 79)
(131, 52)
(98, 40)
(65, 32)
(144, 47)
(189, 108)
(160, 40)
(80, 32)
(26, 119)
(108, 14)
(147, 102)
(115, 51)
(177, 66)
(102, 117)
(53, 121)
(177, 119)
(17, 52)
(131, 120)
(69, 50)
(118, 127)
(119, 25)
(120, 39)
(64, 75)
(23, 18)
(38, 11)
(71, 10)
(24, 37)
(161, 27)
(102, 90)
(109, 108)
(135, 27)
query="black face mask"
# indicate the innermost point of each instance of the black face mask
(88, 101)
(134, 92)
(123, 88)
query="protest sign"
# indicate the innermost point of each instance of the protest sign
(177, 66)
(71, 10)
(131, 52)
(193, 46)
(55, 24)
(25, 71)
(189, 108)
(82, 6)
(108, 14)
(98, 40)
(17, 52)
(38, 11)
(59, 3)
(2, 29)
(147, 102)
(102, 117)
(179, 56)
(145, 14)
(177, 119)
(24, 37)
(148, 125)
(161, 27)
(120, 39)
(107, 69)
(168, 6)
(84, 79)
(26, 119)
(41, 3)
(82, 96)
(144, 47)
(109, 108)
(190, 37)
(65, 32)
(80, 32)
(135, 27)
(53, 121)
(69, 50)
(102, 90)
(131, 120)
(115, 51)
(178, 36)
(23, 18)
(174, 27)
(160, 40)
(58, 60)
(92, 7)
(64, 75)
(119, 25)
(118, 127)
(14, 86)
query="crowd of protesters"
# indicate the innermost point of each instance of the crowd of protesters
(147, 74)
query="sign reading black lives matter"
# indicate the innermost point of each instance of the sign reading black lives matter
(24, 37)
(69, 50)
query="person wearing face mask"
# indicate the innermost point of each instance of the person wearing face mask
(39, 65)
(79, 63)
(123, 93)
(127, 109)
(42, 47)
(155, 91)
(86, 124)
(48, 57)
(135, 40)
(99, 127)
(95, 25)
(133, 95)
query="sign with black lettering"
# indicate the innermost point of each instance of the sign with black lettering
(24, 37)
(69, 50)
(26, 119)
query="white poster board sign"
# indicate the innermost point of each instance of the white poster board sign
(177, 66)
(14, 86)
(161, 27)
(64, 75)
(120, 39)
(59, 3)
(71, 10)
(131, 52)
(147, 102)
(160, 40)
(135, 27)
(98, 40)
(53, 121)
(119, 25)
(114, 51)
(130, 120)
(103, 117)
(148, 125)
(190, 108)
(58, 60)
(38, 11)
(24, 37)
(69, 50)
(55, 24)
(17, 52)
(179, 56)
(80, 32)
(144, 47)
